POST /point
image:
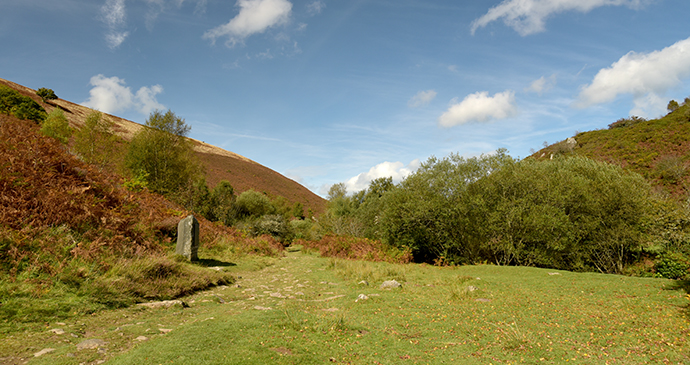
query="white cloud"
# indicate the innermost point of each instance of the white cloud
(114, 15)
(315, 7)
(480, 107)
(397, 170)
(255, 16)
(542, 85)
(646, 76)
(528, 16)
(422, 98)
(111, 95)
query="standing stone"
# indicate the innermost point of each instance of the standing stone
(188, 238)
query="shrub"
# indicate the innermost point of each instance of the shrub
(671, 169)
(672, 266)
(56, 126)
(22, 107)
(274, 225)
(252, 204)
(627, 122)
(46, 94)
(95, 142)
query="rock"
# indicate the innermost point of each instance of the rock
(554, 273)
(165, 330)
(363, 282)
(390, 284)
(141, 338)
(188, 238)
(571, 142)
(262, 308)
(43, 352)
(361, 297)
(483, 300)
(92, 343)
(163, 304)
(472, 288)
(58, 331)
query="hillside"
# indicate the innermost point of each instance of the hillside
(242, 173)
(658, 149)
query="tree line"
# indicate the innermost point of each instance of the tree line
(569, 213)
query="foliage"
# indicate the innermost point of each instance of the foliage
(567, 213)
(96, 141)
(274, 225)
(356, 248)
(627, 122)
(253, 204)
(56, 126)
(671, 169)
(672, 266)
(20, 106)
(425, 212)
(223, 199)
(163, 153)
(672, 106)
(46, 94)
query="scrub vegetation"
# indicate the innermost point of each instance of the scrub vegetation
(499, 258)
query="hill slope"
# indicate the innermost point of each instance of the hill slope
(242, 173)
(658, 149)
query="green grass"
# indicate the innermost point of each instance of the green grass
(471, 314)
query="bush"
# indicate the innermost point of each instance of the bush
(46, 94)
(56, 126)
(627, 122)
(22, 107)
(96, 142)
(252, 204)
(672, 266)
(274, 225)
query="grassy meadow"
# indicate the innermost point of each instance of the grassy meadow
(304, 309)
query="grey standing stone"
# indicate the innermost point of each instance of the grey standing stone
(188, 238)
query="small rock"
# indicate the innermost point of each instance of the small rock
(43, 352)
(389, 284)
(258, 307)
(554, 273)
(483, 300)
(141, 338)
(472, 288)
(361, 297)
(363, 282)
(331, 310)
(163, 304)
(92, 343)
(165, 330)
(58, 331)
(60, 324)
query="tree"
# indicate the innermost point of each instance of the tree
(161, 151)
(56, 126)
(46, 94)
(252, 204)
(96, 142)
(223, 198)
(672, 106)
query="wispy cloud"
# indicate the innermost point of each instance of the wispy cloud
(479, 107)
(114, 15)
(315, 7)
(421, 98)
(110, 95)
(255, 16)
(542, 84)
(645, 76)
(529, 16)
(397, 170)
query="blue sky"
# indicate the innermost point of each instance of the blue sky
(332, 91)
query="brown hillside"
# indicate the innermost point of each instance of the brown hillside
(242, 173)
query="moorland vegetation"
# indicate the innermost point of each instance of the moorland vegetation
(88, 218)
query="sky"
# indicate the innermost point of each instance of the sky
(331, 91)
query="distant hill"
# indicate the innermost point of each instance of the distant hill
(658, 149)
(242, 173)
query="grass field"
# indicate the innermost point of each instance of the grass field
(303, 309)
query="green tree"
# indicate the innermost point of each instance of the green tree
(298, 211)
(46, 94)
(56, 126)
(672, 106)
(162, 151)
(96, 141)
(22, 107)
(424, 212)
(253, 204)
(223, 198)
(568, 213)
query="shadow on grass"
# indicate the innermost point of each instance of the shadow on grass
(213, 263)
(681, 285)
